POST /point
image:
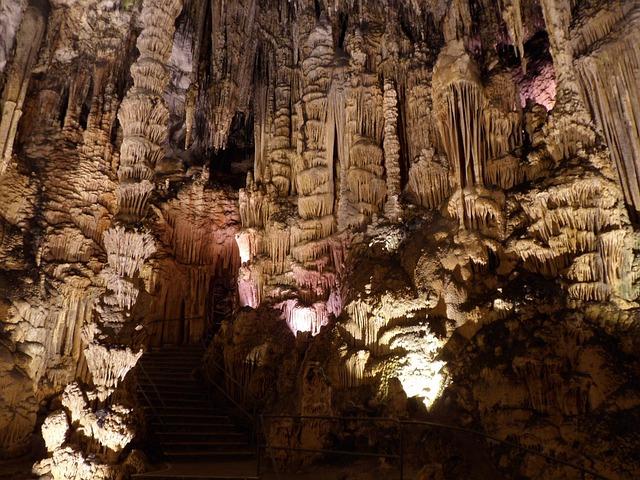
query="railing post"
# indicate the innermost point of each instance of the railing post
(256, 427)
(401, 451)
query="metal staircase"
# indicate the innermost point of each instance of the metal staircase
(194, 435)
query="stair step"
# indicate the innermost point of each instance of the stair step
(169, 365)
(191, 417)
(176, 379)
(216, 419)
(170, 373)
(177, 397)
(168, 380)
(213, 435)
(196, 454)
(184, 425)
(190, 410)
(174, 353)
(176, 400)
(168, 352)
(197, 407)
(172, 357)
(187, 425)
(216, 469)
(172, 376)
(194, 428)
(184, 385)
(178, 444)
(150, 391)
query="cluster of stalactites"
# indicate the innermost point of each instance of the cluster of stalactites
(127, 252)
(314, 180)
(581, 235)
(477, 124)
(391, 147)
(608, 68)
(143, 113)
(429, 180)
(224, 80)
(362, 157)
(570, 126)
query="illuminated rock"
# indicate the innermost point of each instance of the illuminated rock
(408, 209)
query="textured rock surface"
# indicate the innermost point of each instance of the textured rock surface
(419, 208)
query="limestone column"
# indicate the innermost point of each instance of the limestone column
(28, 42)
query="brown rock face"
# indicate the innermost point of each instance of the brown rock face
(402, 209)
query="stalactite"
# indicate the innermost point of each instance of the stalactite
(109, 366)
(365, 188)
(277, 245)
(248, 241)
(459, 105)
(512, 14)
(301, 318)
(127, 251)
(587, 268)
(505, 172)
(429, 180)
(225, 88)
(12, 13)
(547, 389)
(608, 72)
(420, 120)
(570, 124)
(250, 285)
(255, 207)
(352, 367)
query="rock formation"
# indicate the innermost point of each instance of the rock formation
(407, 209)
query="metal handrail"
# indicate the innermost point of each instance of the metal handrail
(151, 404)
(506, 443)
(223, 391)
(222, 369)
(253, 418)
(402, 424)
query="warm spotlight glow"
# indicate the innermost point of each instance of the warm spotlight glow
(244, 246)
(419, 371)
(423, 379)
(302, 318)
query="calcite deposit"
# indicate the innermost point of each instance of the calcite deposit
(407, 209)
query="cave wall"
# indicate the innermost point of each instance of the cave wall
(435, 188)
